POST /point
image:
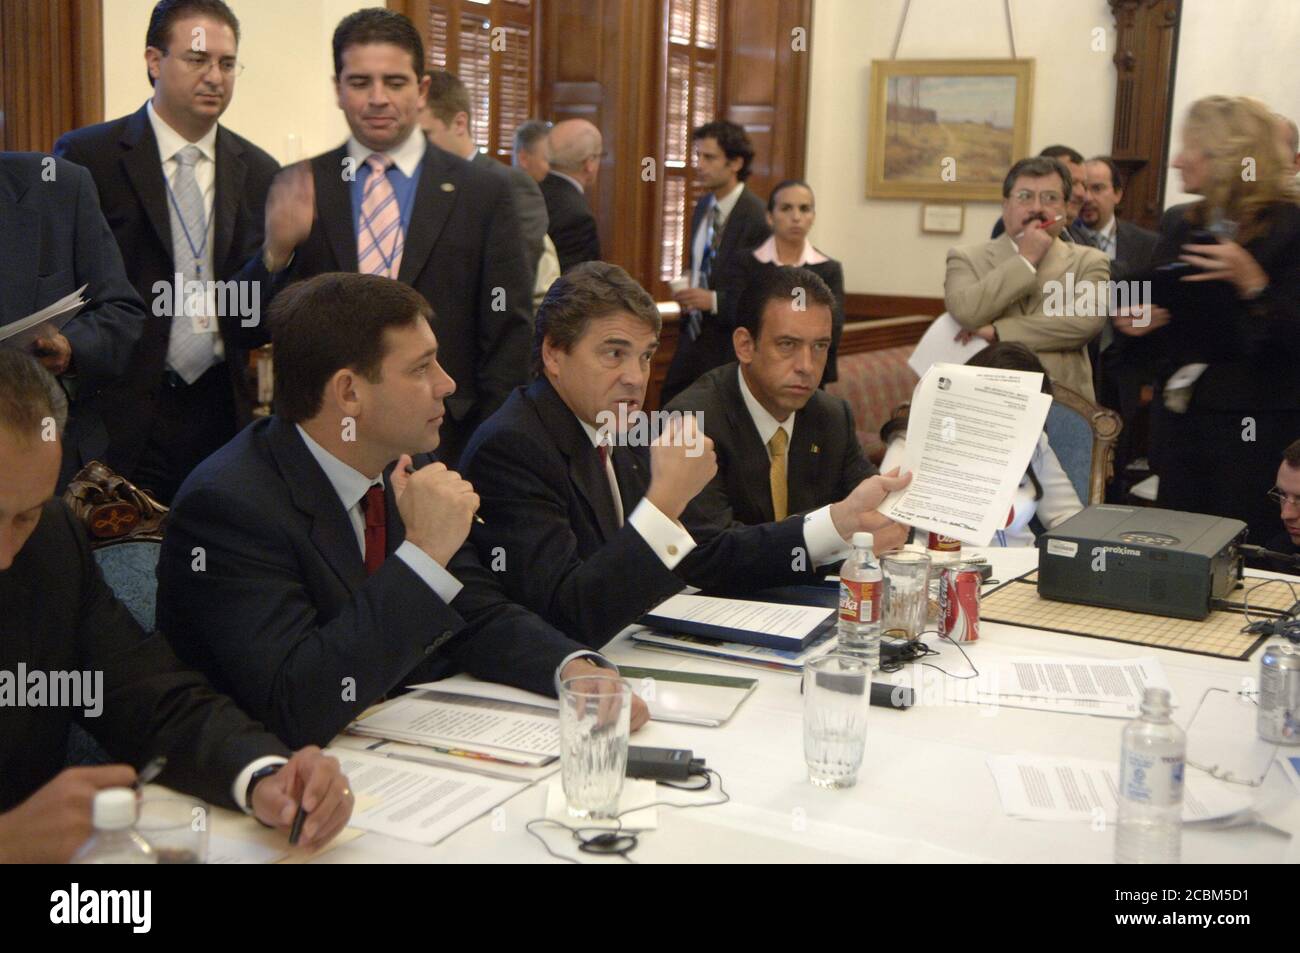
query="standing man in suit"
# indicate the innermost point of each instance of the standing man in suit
(387, 202)
(532, 149)
(332, 574)
(727, 224)
(1121, 371)
(53, 240)
(61, 619)
(185, 196)
(1004, 289)
(448, 120)
(575, 149)
(783, 445)
(581, 502)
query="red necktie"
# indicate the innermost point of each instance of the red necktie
(372, 505)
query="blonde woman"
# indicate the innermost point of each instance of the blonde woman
(1227, 334)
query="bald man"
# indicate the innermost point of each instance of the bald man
(576, 150)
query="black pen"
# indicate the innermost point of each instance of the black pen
(295, 832)
(477, 519)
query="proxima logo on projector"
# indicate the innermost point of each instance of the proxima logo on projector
(1120, 550)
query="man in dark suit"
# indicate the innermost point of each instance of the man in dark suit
(184, 196)
(597, 524)
(448, 120)
(575, 153)
(53, 240)
(63, 630)
(783, 445)
(1121, 370)
(726, 226)
(329, 575)
(427, 218)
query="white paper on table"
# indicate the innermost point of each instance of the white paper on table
(423, 754)
(1077, 789)
(417, 802)
(48, 320)
(939, 345)
(970, 434)
(1061, 706)
(232, 850)
(470, 721)
(1121, 681)
(471, 687)
(1223, 737)
(771, 618)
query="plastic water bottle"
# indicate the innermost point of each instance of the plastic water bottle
(862, 593)
(1150, 825)
(115, 840)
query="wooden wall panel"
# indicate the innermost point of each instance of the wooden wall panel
(51, 70)
(1146, 50)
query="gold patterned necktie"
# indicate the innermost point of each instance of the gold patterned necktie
(776, 448)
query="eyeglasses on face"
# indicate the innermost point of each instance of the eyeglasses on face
(1046, 197)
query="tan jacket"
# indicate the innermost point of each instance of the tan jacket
(990, 283)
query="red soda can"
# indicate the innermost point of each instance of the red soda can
(938, 543)
(959, 596)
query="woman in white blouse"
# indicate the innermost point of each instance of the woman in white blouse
(1045, 490)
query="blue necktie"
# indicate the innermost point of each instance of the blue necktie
(189, 352)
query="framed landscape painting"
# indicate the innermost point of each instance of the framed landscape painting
(946, 129)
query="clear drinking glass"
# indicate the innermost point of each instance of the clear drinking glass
(836, 695)
(176, 827)
(595, 717)
(907, 592)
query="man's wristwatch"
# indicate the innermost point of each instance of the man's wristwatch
(258, 775)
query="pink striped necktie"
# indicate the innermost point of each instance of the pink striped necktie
(379, 231)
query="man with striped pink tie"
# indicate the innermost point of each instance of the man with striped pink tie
(389, 203)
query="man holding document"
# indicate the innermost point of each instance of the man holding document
(1022, 286)
(588, 502)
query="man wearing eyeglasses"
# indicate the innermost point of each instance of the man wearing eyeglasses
(1286, 494)
(185, 198)
(1029, 286)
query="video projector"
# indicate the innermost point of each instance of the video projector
(1141, 559)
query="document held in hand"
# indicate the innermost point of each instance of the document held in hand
(970, 434)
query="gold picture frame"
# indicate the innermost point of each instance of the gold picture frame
(913, 153)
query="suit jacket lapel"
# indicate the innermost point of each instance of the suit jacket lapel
(334, 208)
(801, 460)
(143, 168)
(313, 494)
(433, 204)
(585, 470)
(19, 248)
(230, 187)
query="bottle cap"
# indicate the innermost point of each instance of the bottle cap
(863, 540)
(1156, 701)
(114, 809)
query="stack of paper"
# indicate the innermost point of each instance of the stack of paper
(44, 323)
(1076, 789)
(687, 698)
(970, 434)
(772, 625)
(469, 727)
(1111, 688)
(777, 660)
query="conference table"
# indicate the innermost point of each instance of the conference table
(925, 792)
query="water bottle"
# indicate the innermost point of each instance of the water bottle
(862, 591)
(115, 840)
(1150, 827)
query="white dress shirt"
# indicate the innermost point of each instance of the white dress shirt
(171, 142)
(1058, 504)
(766, 252)
(406, 155)
(824, 543)
(701, 238)
(1111, 246)
(669, 540)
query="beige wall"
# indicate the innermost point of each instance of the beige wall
(284, 101)
(880, 240)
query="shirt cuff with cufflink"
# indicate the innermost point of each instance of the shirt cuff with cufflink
(825, 544)
(595, 657)
(668, 539)
(444, 584)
